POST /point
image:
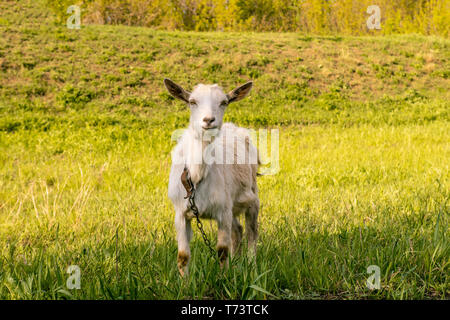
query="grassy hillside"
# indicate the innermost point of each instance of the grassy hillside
(85, 127)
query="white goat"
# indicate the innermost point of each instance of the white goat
(224, 181)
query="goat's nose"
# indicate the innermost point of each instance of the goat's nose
(209, 120)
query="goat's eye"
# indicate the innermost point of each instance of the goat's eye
(193, 103)
(223, 104)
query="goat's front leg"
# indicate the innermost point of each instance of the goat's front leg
(224, 236)
(184, 234)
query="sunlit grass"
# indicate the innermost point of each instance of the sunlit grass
(344, 200)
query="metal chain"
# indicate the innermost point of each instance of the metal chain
(194, 209)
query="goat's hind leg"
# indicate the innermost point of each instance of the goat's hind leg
(236, 237)
(224, 237)
(251, 225)
(184, 234)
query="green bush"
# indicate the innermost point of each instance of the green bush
(308, 16)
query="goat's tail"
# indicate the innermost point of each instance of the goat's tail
(248, 146)
(258, 174)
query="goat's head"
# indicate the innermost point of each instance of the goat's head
(207, 103)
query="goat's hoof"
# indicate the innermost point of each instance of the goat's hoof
(183, 272)
(222, 252)
(182, 262)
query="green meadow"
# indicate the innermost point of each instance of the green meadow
(85, 142)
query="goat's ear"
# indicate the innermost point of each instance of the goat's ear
(240, 92)
(176, 91)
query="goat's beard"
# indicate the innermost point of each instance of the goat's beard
(207, 136)
(198, 168)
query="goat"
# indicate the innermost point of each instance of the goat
(225, 184)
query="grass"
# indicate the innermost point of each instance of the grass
(85, 127)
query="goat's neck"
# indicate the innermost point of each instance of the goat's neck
(195, 163)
